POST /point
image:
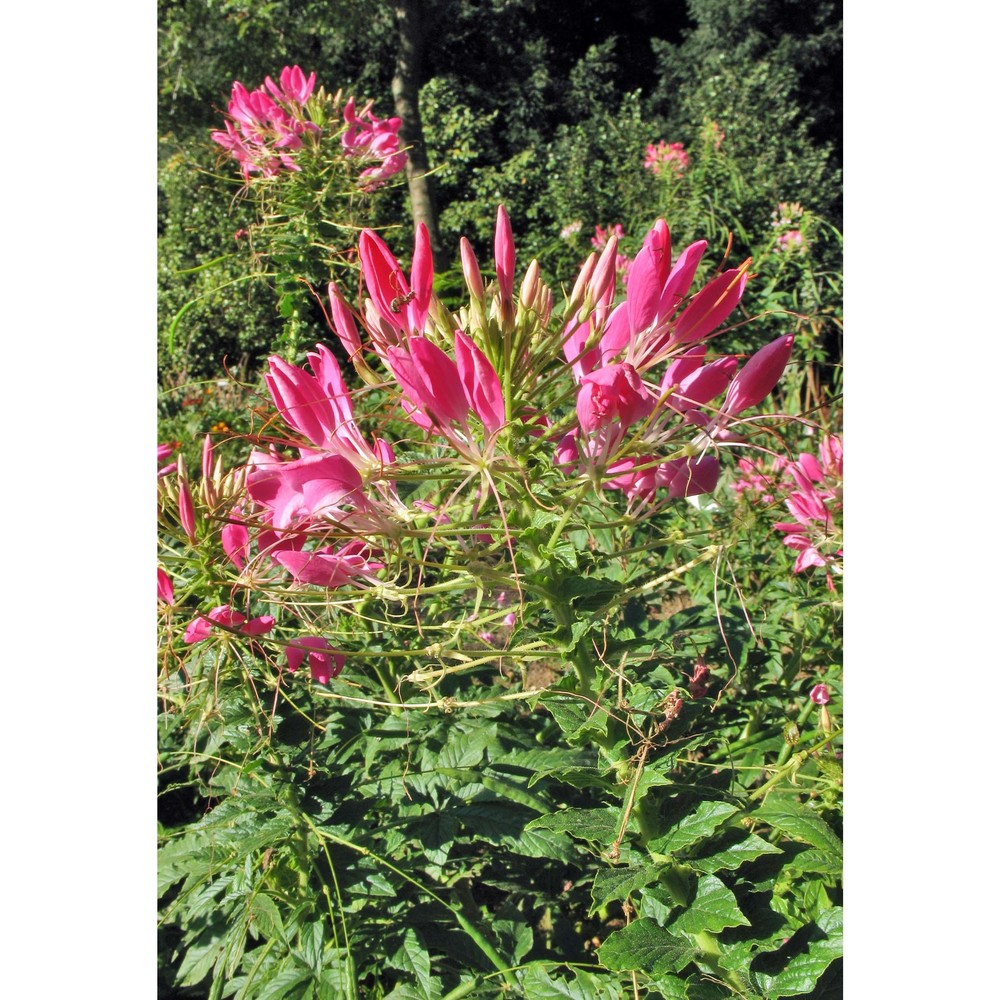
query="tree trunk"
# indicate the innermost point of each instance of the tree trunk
(406, 95)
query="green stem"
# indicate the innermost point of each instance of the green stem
(390, 692)
(743, 743)
(484, 945)
(579, 655)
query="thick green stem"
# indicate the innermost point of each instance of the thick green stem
(579, 655)
(390, 692)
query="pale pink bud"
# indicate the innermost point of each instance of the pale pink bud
(470, 268)
(530, 285)
(207, 457)
(582, 280)
(820, 694)
(602, 286)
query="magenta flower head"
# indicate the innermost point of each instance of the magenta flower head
(323, 662)
(295, 86)
(201, 627)
(820, 694)
(615, 391)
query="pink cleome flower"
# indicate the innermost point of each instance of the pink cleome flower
(666, 158)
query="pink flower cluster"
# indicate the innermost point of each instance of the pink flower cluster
(371, 138)
(324, 661)
(265, 126)
(657, 322)
(670, 157)
(319, 516)
(759, 483)
(816, 505)
(791, 241)
(201, 627)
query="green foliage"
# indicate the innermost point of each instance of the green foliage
(556, 812)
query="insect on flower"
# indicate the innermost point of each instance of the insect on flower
(401, 300)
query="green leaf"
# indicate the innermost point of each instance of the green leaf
(266, 917)
(814, 863)
(732, 850)
(713, 909)
(599, 826)
(437, 833)
(800, 823)
(310, 950)
(465, 749)
(412, 957)
(617, 883)
(645, 946)
(411, 991)
(688, 829)
(823, 943)
(547, 844)
(516, 937)
(284, 982)
(574, 717)
(539, 984)
(200, 957)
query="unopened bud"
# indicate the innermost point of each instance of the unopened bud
(185, 505)
(602, 286)
(791, 734)
(470, 268)
(580, 287)
(207, 456)
(530, 286)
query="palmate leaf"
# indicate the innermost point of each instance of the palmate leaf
(266, 917)
(201, 956)
(413, 991)
(286, 983)
(576, 718)
(645, 946)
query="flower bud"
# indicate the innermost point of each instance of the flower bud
(530, 286)
(470, 268)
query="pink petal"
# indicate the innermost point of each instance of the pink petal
(481, 383)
